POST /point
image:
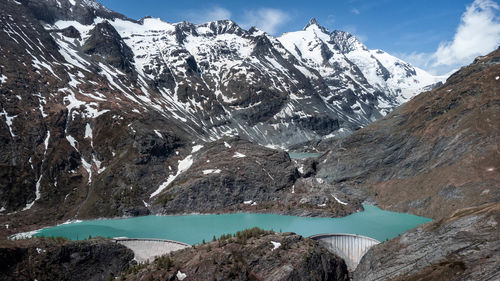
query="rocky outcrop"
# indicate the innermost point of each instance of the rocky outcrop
(237, 175)
(226, 173)
(431, 156)
(59, 259)
(105, 42)
(250, 255)
(464, 246)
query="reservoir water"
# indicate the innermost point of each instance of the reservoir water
(193, 229)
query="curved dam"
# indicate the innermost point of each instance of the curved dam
(350, 247)
(147, 249)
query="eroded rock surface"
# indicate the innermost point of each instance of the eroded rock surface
(464, 246)
(58, 259)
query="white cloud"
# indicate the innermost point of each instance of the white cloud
(477, 34)
(266, 19)
(213, 14)
(417, 59)
(355, 11)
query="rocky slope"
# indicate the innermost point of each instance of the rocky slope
(463, 246)
(433, 155)
(237, 175)
(56, 259)
(251, 255)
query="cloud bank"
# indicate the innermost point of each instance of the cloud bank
(477, 34)
(266, 19)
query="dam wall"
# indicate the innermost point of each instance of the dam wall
(148, 249)
(350, 247)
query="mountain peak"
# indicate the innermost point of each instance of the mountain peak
(314, 22)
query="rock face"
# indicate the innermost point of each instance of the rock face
(50, 259)
(464, 246)
(251, 257)
(237, 175)
(433, 155)
(227, 173)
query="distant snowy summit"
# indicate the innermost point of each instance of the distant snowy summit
(341, 58)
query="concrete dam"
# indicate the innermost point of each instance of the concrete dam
(148, 249)
(350, 247)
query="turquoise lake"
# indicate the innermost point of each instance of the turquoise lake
(303, 155)
(192, 229)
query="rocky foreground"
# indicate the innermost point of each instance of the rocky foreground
(464, 246)
(250, 255)
(59, 259)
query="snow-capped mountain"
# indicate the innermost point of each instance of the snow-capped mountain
(225, 80)
(349, 66)
(97, 107)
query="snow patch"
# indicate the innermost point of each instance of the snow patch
(196, 148)
(181, 276)
(183, 166)
(211, 171)
(88, 131)
(38, 195)
(338, 200)
(72, 141)
(158, 133)
(276, 245)
(88, 167)
(227, 145)
(8, 121)
(239, 155)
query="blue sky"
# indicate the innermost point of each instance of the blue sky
(413, 30)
